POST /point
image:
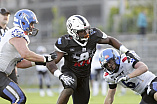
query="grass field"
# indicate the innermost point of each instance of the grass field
(34, 98)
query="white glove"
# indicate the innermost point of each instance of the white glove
(122, 78)
(66, 80)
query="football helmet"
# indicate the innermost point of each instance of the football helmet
(23, 18)
(78, 23)
(105, 56)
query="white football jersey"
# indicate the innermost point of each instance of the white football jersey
(137, 84)
(9, 56)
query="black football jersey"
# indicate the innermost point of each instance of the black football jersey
(78, 57)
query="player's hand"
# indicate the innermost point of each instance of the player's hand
(132, 54)
(122, 78)
(66, 80)
(50, 57)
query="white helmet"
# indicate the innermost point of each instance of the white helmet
(77, 23)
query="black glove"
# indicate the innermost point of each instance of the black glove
(53, 55)
(66, 80)
(50, 57)
(122, 78)
(132, 54)
(40, 63)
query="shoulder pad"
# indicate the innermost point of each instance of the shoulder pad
(92, 31)
(62, 42)
(67, 37)
(18, 32)
(124, 59)
(98, 33)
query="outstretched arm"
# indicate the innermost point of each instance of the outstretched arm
(140, 69)
(24, 64)
(114, 42)
(22, 47)
(110, 96)
(66, 80)
(52, 65)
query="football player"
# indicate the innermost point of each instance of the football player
(14, 52)
(78, 48)
(129, 72)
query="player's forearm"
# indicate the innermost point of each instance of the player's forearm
(114, 42)
(31, 56)
(117, 44)
(108, 101)
(24, 64)
(51, 66)
(110, 96)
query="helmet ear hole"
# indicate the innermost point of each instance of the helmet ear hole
(23, 23)
(20, 14)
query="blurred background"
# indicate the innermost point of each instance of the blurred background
(117, 18)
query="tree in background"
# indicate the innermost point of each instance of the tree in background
(128, 20)
(58, 24)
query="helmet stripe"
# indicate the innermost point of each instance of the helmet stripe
(81, 20)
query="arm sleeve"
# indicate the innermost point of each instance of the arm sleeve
(134, 63)
(112, 86)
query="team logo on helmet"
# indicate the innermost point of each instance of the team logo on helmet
(107, 56)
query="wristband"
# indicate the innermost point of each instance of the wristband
(123, 49)
(44, 59)
(40, 63)
(57, 73)
(33, 63)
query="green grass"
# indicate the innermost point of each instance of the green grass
(34, 98)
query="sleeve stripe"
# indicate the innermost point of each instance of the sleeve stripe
(57, 49)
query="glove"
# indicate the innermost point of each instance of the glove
(50, 57)
(66, 80)
(53, 55)
(122, 78)
(151, 89)
(132, 54)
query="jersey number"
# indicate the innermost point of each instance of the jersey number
(84, 56)
(83, 63)
(129, 84)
